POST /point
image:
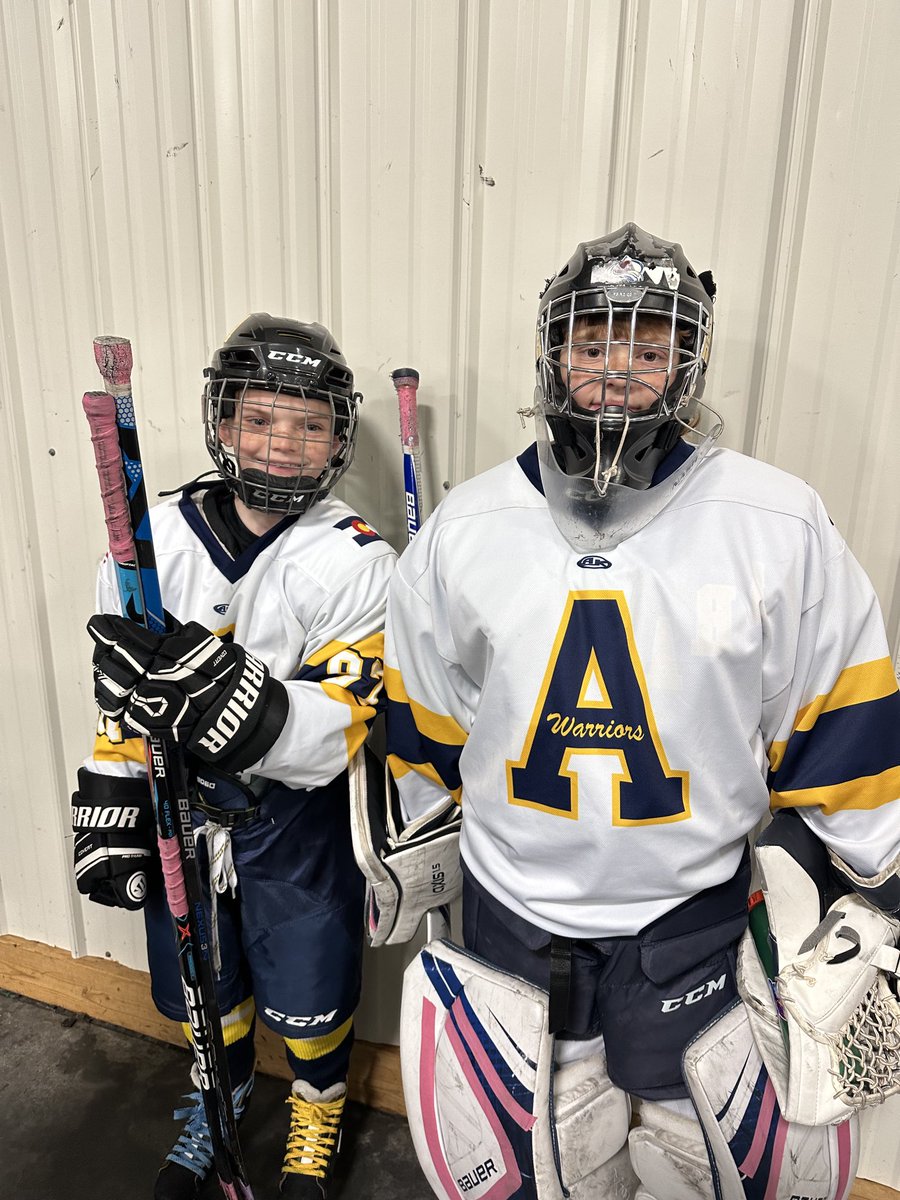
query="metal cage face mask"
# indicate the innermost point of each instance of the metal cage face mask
(621, 352)
(279, 450)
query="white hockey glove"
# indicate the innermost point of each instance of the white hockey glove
(190, 687)
(410, 869)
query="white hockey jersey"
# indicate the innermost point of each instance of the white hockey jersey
(615, 725)
(307, 599)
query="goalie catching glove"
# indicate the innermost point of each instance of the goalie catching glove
(190, 687)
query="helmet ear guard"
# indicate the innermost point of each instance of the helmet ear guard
(301, 366)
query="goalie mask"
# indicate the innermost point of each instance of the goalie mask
(623, 340)
(280, 413)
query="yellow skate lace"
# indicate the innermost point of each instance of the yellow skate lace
(311, 1138)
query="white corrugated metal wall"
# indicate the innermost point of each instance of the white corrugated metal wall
(409, 173)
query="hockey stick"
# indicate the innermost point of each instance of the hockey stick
(117, 453)
(406, 385)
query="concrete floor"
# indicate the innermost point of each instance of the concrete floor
(86, 1114)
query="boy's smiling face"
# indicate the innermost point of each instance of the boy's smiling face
(282, 435)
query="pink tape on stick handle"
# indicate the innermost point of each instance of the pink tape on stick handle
(173, 876)
(406, 382)
(100, 409)
(113, 357)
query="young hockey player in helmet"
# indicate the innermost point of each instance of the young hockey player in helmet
(262, 566)
(619, 651)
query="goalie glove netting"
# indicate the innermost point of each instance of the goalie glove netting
(866, 1055)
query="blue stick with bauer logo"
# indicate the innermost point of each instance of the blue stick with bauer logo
(406, 383)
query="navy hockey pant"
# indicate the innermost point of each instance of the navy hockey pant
(648, 995)
(292, 939)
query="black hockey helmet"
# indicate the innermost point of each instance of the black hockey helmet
(301, 366)
(597, 303)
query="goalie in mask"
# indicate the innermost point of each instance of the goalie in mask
(618, 652)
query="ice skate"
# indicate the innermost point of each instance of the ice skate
(190, 1161)
(313, 1141)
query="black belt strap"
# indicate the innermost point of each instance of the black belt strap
(227, 818)
(560, 981)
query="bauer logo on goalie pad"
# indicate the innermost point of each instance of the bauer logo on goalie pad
(476, 1057)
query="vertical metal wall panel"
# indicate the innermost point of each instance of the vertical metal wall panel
(829, 419)
(395, 151)
(544, 157)
(410, 173)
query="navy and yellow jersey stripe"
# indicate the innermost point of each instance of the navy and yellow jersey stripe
(843, 751)
(351, 674)
(112, 746)
(421, 740)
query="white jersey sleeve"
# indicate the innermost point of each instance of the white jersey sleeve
(334, 695)
(831, 722)
(428, 719)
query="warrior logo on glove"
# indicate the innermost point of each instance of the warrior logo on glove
(187, 686)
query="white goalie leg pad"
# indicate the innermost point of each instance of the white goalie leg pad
(476, 1058)
(757, 1154)
(669, 1155)
(409, 870)
(834, 1002)
(592, 1118)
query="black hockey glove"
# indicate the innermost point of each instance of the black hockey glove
(190, 687)
(112, 818)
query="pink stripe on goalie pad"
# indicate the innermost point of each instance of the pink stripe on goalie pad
(758, 1154)
(470, 1067)
(523, 1119)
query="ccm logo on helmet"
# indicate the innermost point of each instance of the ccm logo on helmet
(302, 360)
(695, 994)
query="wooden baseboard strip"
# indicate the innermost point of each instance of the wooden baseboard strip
(119, 995)
(107, 991)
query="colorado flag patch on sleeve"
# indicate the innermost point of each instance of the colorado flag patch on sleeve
(362, 533)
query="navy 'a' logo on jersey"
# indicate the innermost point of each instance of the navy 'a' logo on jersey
(592, 738)
(362, 533)
(594, 562)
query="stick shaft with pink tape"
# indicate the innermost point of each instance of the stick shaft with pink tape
(117, 455)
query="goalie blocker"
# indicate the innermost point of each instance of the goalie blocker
(409, 871)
